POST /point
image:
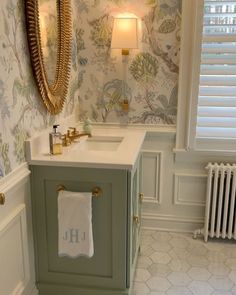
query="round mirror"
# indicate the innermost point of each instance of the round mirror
(49, 36)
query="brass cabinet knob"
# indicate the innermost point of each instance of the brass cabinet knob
(2, 199)
(141, 196)
(96, 192)
(136, 219)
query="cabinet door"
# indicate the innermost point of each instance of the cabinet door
(107, 268)
(135, 214)
(134, 220)
(136, 205)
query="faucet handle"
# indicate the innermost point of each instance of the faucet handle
(71, 131)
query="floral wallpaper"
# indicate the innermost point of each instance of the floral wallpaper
(98, 84)
(21, 110)
(151, 72)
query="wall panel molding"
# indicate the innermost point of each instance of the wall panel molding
(15, 252)
(188, 188)
(152, 169)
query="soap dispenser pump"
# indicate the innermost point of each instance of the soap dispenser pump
(55, 141)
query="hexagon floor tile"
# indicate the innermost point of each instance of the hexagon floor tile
(176, 264)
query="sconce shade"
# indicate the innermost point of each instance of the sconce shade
(124, 33)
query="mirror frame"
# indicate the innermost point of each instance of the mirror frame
(53, 95)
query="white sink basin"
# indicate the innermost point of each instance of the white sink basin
(100, 143)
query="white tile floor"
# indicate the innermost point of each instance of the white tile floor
(176, 264)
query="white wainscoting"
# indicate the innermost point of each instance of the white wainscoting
(174, 192)
(174, 184)
(16, 239)
(14, 252)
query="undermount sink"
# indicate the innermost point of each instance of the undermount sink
(100, 143)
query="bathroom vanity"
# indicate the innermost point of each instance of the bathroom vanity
(110, 160)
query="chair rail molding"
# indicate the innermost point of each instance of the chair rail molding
(16, 178)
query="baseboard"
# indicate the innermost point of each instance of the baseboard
(30, 289)
(60, 289)
(171, 223)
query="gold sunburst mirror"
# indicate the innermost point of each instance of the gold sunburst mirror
(49, 32)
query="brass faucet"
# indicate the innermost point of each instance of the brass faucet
(73, 134)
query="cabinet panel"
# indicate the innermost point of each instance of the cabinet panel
(107, 268)
(101, 263)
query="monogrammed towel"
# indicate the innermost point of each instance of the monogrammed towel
(75, 234)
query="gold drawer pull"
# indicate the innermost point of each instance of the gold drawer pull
(141, 196)
(2, 199)
(136, 219)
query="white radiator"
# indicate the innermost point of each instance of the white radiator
(220, 212)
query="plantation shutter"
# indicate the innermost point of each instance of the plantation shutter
(216, 113)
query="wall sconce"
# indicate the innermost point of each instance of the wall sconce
(125, 34)
(125, 37)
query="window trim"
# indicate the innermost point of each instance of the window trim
(195, 73)
(189, 76)
(190, 9)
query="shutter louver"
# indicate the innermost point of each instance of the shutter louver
(217, 91)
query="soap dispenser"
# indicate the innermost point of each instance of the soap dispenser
(87, 126)
(55, 141)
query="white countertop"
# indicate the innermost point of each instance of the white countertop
(124, 157)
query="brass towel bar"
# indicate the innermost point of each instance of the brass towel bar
(96, 191)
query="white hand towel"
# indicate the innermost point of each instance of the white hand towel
(75, 235)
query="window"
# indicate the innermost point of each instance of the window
(212, 122)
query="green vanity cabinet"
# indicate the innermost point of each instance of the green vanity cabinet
(115, 231)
